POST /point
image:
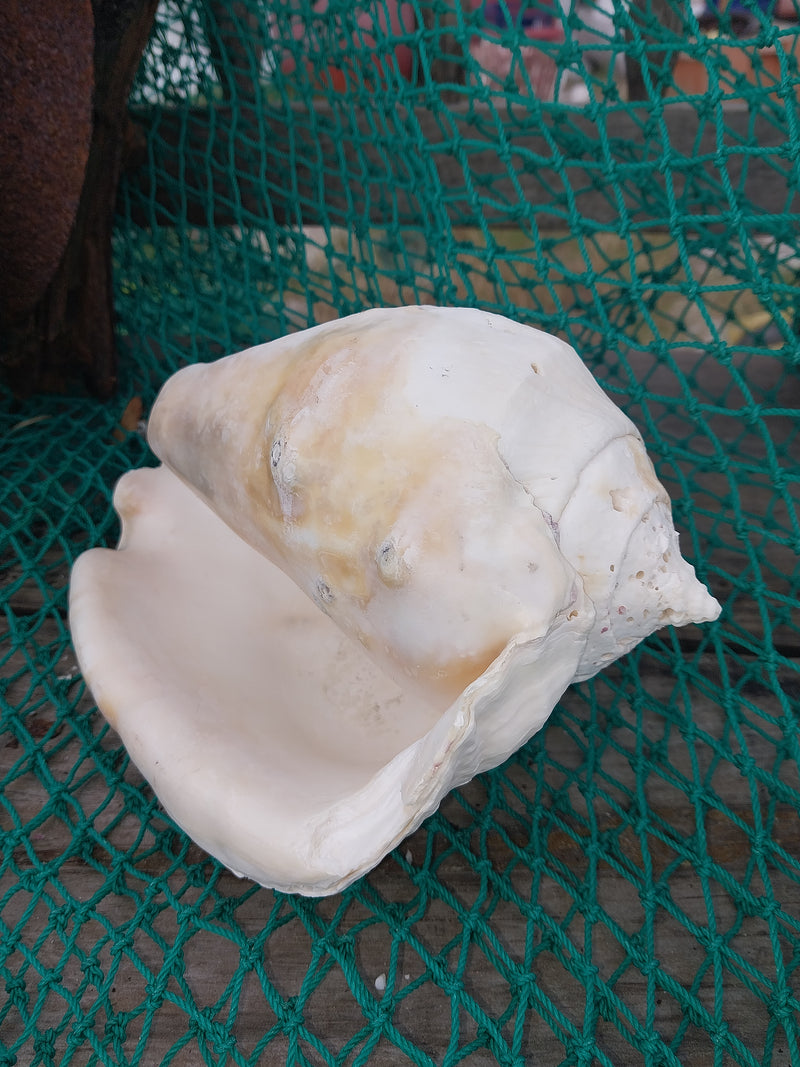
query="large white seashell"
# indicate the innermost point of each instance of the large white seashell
(376, 554)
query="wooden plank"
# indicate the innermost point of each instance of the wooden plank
(336, 164)
(595, 758)
(35, 589)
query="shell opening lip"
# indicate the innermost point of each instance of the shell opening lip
(190, 687)
(190, 704)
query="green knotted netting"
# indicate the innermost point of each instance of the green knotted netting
(626, 889)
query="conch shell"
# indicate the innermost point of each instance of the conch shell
(376, 554)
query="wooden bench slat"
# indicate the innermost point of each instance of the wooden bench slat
(301, 167)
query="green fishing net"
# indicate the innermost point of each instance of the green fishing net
(626, 889)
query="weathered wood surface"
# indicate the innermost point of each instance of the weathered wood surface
(127, 904)
(584, 753)
(147, 909)
(339, 156)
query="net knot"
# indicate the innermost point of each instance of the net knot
(206, 1026)
(291, 1015)
(16, 990)
(783, 1006)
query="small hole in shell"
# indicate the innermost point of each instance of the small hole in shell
(324, 591)
(276, 452)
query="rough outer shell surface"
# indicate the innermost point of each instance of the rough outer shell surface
(374, 557)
